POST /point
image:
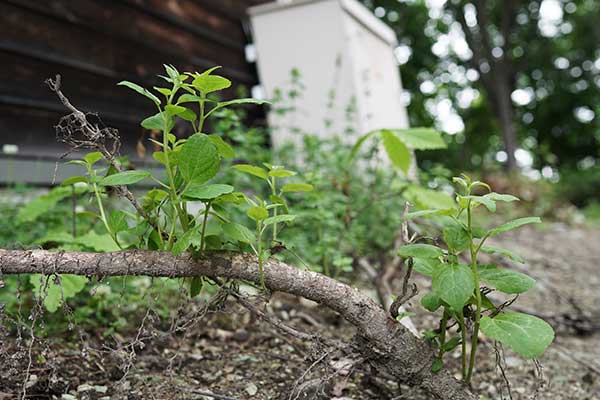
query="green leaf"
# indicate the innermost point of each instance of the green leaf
(476, 201)
(478, 232)
(430, 334)
(281, 173)
(42, 204)
(73, 180)
(484, 185)
(53, 292)
(164, 91)
(198, 159)
(252, 170)
(460, 181)
(454, 284)
(425, 199)
(172, 72)
(160, 157)
(235, 197)
(451, 344)
(404, 314)
(505, 280)
(485, 302)
(525, 334)
(207, 83)
(431, 301)
(77, 162)
(214, 227)
(427, 214)
(420, 251)
(93, 158)
(279, 218)
(181, 112)
(360, 142)
(257, 213)
(157, 122)
(140, 90)
(503, 252)
(196, 284)
(189, 98)
(100, 243)
(55, 237)
(437, 365)
(426, 266)
(514, 224)
(183, 242)
(421, 138)
(242, 101)
(415, 138)
(279, 200)
(125, 178)
(297, 187)
(173, 109)
(207, 192)
(396, 150)
(456, 237)
(118, 221)
(223, 148)
(501, 197)
(238, 233)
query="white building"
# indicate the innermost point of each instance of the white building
(340, 48)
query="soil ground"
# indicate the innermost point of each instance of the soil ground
(230, 354)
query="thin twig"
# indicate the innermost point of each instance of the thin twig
(501, 364)
(277, 323)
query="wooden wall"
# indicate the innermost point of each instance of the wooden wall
(94, 44)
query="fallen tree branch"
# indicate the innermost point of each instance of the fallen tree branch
(384, 343)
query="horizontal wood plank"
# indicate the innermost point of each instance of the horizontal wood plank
(115, 38)
(94, 44)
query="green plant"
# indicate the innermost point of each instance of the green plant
(265, 213)
(163, 219)
(398, 142)
(457, 277)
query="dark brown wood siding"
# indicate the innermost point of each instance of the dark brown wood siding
(94, 44)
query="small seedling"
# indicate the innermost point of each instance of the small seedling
(265, 213)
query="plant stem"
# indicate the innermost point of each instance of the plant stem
(92, 175)
(101, 208)
(475, 334)
(273, 190)
(463, 336)
(170, 177)
(206, 210)
(443, 333)
(171, 235)
(260, 255)
(201, 117)
(73, 211)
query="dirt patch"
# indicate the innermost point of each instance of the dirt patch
(229, 353)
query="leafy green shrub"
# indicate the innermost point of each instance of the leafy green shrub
(457, 285)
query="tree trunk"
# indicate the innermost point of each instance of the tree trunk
(506, 121)
(386, 344)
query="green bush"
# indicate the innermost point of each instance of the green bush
(579, 187)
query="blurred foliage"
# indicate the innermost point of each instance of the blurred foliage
(559, 68)
(580, 187)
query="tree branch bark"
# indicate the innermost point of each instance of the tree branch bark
(384, 343)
